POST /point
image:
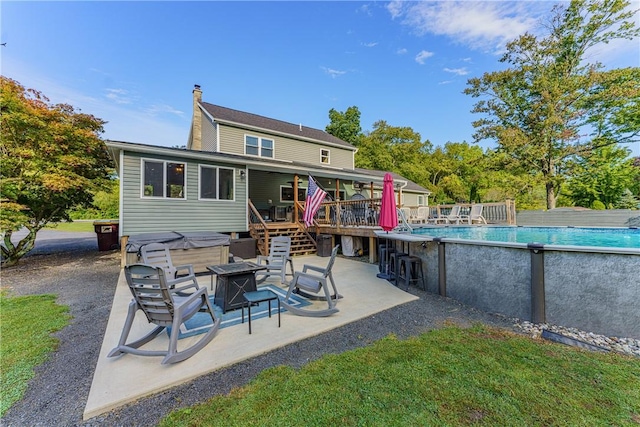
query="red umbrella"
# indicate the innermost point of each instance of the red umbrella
(388, 217)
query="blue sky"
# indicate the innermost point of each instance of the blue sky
(134, 64)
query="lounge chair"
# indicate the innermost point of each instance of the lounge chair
(422, 216)
(452, 217)
(158, 254)
(163, 307)
(277, 260)
(309, 283)
(475, 215)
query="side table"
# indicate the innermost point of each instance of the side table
(256, 297)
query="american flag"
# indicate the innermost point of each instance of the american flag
(315, 196)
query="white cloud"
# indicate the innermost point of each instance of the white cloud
(422, 56)
(372, 44)
(333, 73)
(157, 109)
(445, 82)
(365, 9)
(119, 96)
(478, 24)
(402, 51)
(459, 71)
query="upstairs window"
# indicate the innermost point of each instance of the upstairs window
(324, 156)
(420, 200)
(163, 179)
(257, 146)
(216, 183)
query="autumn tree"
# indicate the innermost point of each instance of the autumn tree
(540, 109)
(51, 159)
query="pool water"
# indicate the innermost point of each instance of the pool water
(572, 236)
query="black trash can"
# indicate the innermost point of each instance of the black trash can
(107, 231)
(324, 244)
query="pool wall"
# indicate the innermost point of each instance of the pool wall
(590, 290)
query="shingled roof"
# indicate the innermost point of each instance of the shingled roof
(231, 116)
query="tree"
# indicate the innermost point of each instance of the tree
(604, 177)
(539, 109)
(345, 126)
(396, 149)
(51, 160)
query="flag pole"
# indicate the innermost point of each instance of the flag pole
(322, 188)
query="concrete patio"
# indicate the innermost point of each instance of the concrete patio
(118, 381)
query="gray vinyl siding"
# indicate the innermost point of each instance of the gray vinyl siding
(143, 215)
(209, 134)
(232, 142)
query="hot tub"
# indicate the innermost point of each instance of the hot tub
(201, 248)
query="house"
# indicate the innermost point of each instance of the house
(243, 174)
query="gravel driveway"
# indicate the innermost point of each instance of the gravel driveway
(85, 280)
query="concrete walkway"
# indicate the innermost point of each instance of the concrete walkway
(118, 381)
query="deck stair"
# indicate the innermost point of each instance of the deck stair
(301, 242)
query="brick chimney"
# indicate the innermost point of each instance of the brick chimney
(196, 123)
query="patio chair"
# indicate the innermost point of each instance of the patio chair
(158, 254)
(277, 260)
(163, 307)
(475, 215)
(453, 216)
(423, 215)
(309, 283)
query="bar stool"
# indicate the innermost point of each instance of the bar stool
(384, 259)
(395, 264)
(412, 267)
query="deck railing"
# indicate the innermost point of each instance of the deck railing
(349, 213)
(494, 213)
(365, 213)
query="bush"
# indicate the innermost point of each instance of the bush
(598, 205)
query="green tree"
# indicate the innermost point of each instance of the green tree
(604, 176)
(395, 149)
(345, 126)
(538, 109)
(51, 160)
(628, 201)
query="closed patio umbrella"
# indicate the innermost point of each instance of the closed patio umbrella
(388, 219)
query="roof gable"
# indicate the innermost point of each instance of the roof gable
(240, 118)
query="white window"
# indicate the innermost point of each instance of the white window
(421, 200)
(216, 183)
(257, 146)
(163, 179)
(324, 156)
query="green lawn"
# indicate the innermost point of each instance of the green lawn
(25, 330)
(446, 377)
(73, 226)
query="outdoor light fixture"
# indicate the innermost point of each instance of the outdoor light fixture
(242, 173)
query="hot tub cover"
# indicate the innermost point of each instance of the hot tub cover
(176, 240)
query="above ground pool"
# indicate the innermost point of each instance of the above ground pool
(564, 236)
